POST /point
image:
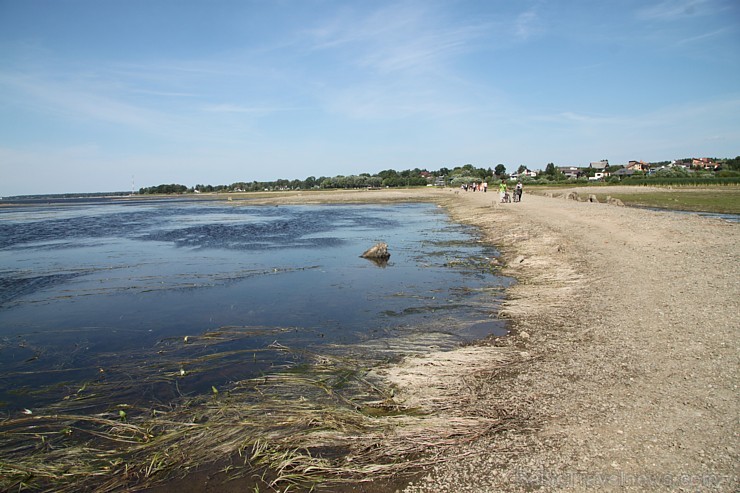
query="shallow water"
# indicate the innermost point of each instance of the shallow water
(107, 289)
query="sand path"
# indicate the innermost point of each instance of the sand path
(622, 373)
(629, 319)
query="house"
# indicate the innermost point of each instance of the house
(638, 166)
(570, 171)
(624, 172)
(704, 163)
(598, 176)
(600, 165)
(516, 175)
(678, 164)
(600, 170)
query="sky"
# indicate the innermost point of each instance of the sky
(106, 95)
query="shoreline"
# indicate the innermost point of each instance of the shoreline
(610, 366)
(611, 380)
(619, 373)
(629, 385)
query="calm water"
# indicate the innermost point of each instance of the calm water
(106, 290)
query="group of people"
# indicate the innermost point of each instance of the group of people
(503, 191)
(475, 187)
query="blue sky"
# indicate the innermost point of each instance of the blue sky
(93, 92)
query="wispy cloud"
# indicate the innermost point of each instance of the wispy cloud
(243, 109)
(386, 102)
(81, 100)
(694, 114)
(165, 103)
(165, 94)
(396, 38)
(670, 10)
(527, 24)
(670, 115)
(701, 37)
(394, 62)
(425, 51)
(574, 118)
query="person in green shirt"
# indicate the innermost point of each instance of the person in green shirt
(502, 190)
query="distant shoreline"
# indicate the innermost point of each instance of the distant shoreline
(704, 199)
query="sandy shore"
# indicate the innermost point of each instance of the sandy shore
(628, 321)
(622, 371)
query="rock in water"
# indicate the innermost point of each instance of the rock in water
(379, 251)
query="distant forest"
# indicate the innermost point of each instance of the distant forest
(421, 177)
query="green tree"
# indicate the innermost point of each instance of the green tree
(389, 178)
(550, 170)
(462, 179)
(500, 170)
(165, 189)
(733, 164)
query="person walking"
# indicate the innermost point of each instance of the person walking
(518, 191)
(502, 190)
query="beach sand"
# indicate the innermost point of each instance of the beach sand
(622, 370)
(628, 321)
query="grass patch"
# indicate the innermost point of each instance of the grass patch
(722, 201)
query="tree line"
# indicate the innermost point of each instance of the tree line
(386, 178)
(455, 177)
